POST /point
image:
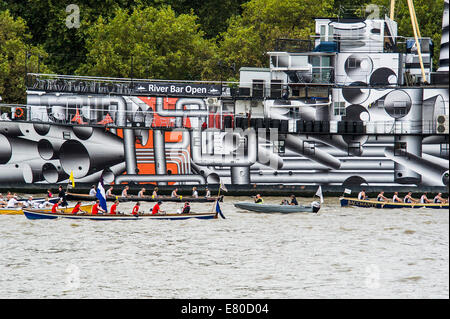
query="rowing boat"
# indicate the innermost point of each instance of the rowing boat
(388, 205)
(68, 209)
(18, 210)
(39, 214)
(134, 198)
(286, 209)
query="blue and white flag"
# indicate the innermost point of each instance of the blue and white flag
(218, 210)
(101, 195)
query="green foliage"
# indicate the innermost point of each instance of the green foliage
(169, 39)
(254, 33)
(148, 43)
(13, 64)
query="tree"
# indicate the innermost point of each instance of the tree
(14, 48)
(254, 33)
(149, 43)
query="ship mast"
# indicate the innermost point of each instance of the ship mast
(416, 31)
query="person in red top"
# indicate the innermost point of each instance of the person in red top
(157, 209)
(136, 209)
(77, 209)
(55, 207)
(96, 208)
(113, 210)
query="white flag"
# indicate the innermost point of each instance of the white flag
(222, 186)
(347, 191)
(319, 193)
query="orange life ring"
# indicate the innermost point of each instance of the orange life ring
(19, 112)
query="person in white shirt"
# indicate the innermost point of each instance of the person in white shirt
(395, 199)
(362, 195)
(438, 199)
(424, 199)
(12, 203)
(125, 191)
(45, 204)
(409, 199)
(29, 203)
(208, 193)
(174, 193)
(109, 191)
(93, 191)
(141, 193)
(194, 192)
(2, 201)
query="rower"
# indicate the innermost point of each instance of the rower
(135, 210)
(424, 199)
(438, 199)
(109, 191)
(174, 193)
(186, 208)
(395, 198)
(155, 192)
(381, 197)
(78, 209)
(362, 195)
(194, 192)
(2, 201)
(113, 210)
(13, 202)
(55, 208)
(9, 196)
(92, 191)
(45, 204)
(208, 193)
(293, 200)
(157, 209)
(409, 199)
(141, 193)
(258, 199)
(125, 191)
(284, 202)
(96, 208)
(29, 203)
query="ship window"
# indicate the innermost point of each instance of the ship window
(309, 148)
(278, 147)
(322, 33)
(330, 33)
(258, 88)
(351, 63)
(339, 108)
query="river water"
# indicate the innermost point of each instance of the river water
(337, 253)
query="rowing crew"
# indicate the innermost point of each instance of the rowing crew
(14, 202)
(438, 199)
(97, 209)
(141, 193)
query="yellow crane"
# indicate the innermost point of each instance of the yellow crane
(416, 31)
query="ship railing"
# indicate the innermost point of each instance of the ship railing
(150, 120)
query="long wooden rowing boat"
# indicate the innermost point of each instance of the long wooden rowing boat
(388, 205)
(68, 209)
(286, 209)
(39, 214)
(134, 198)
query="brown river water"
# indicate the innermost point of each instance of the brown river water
(336, 253)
